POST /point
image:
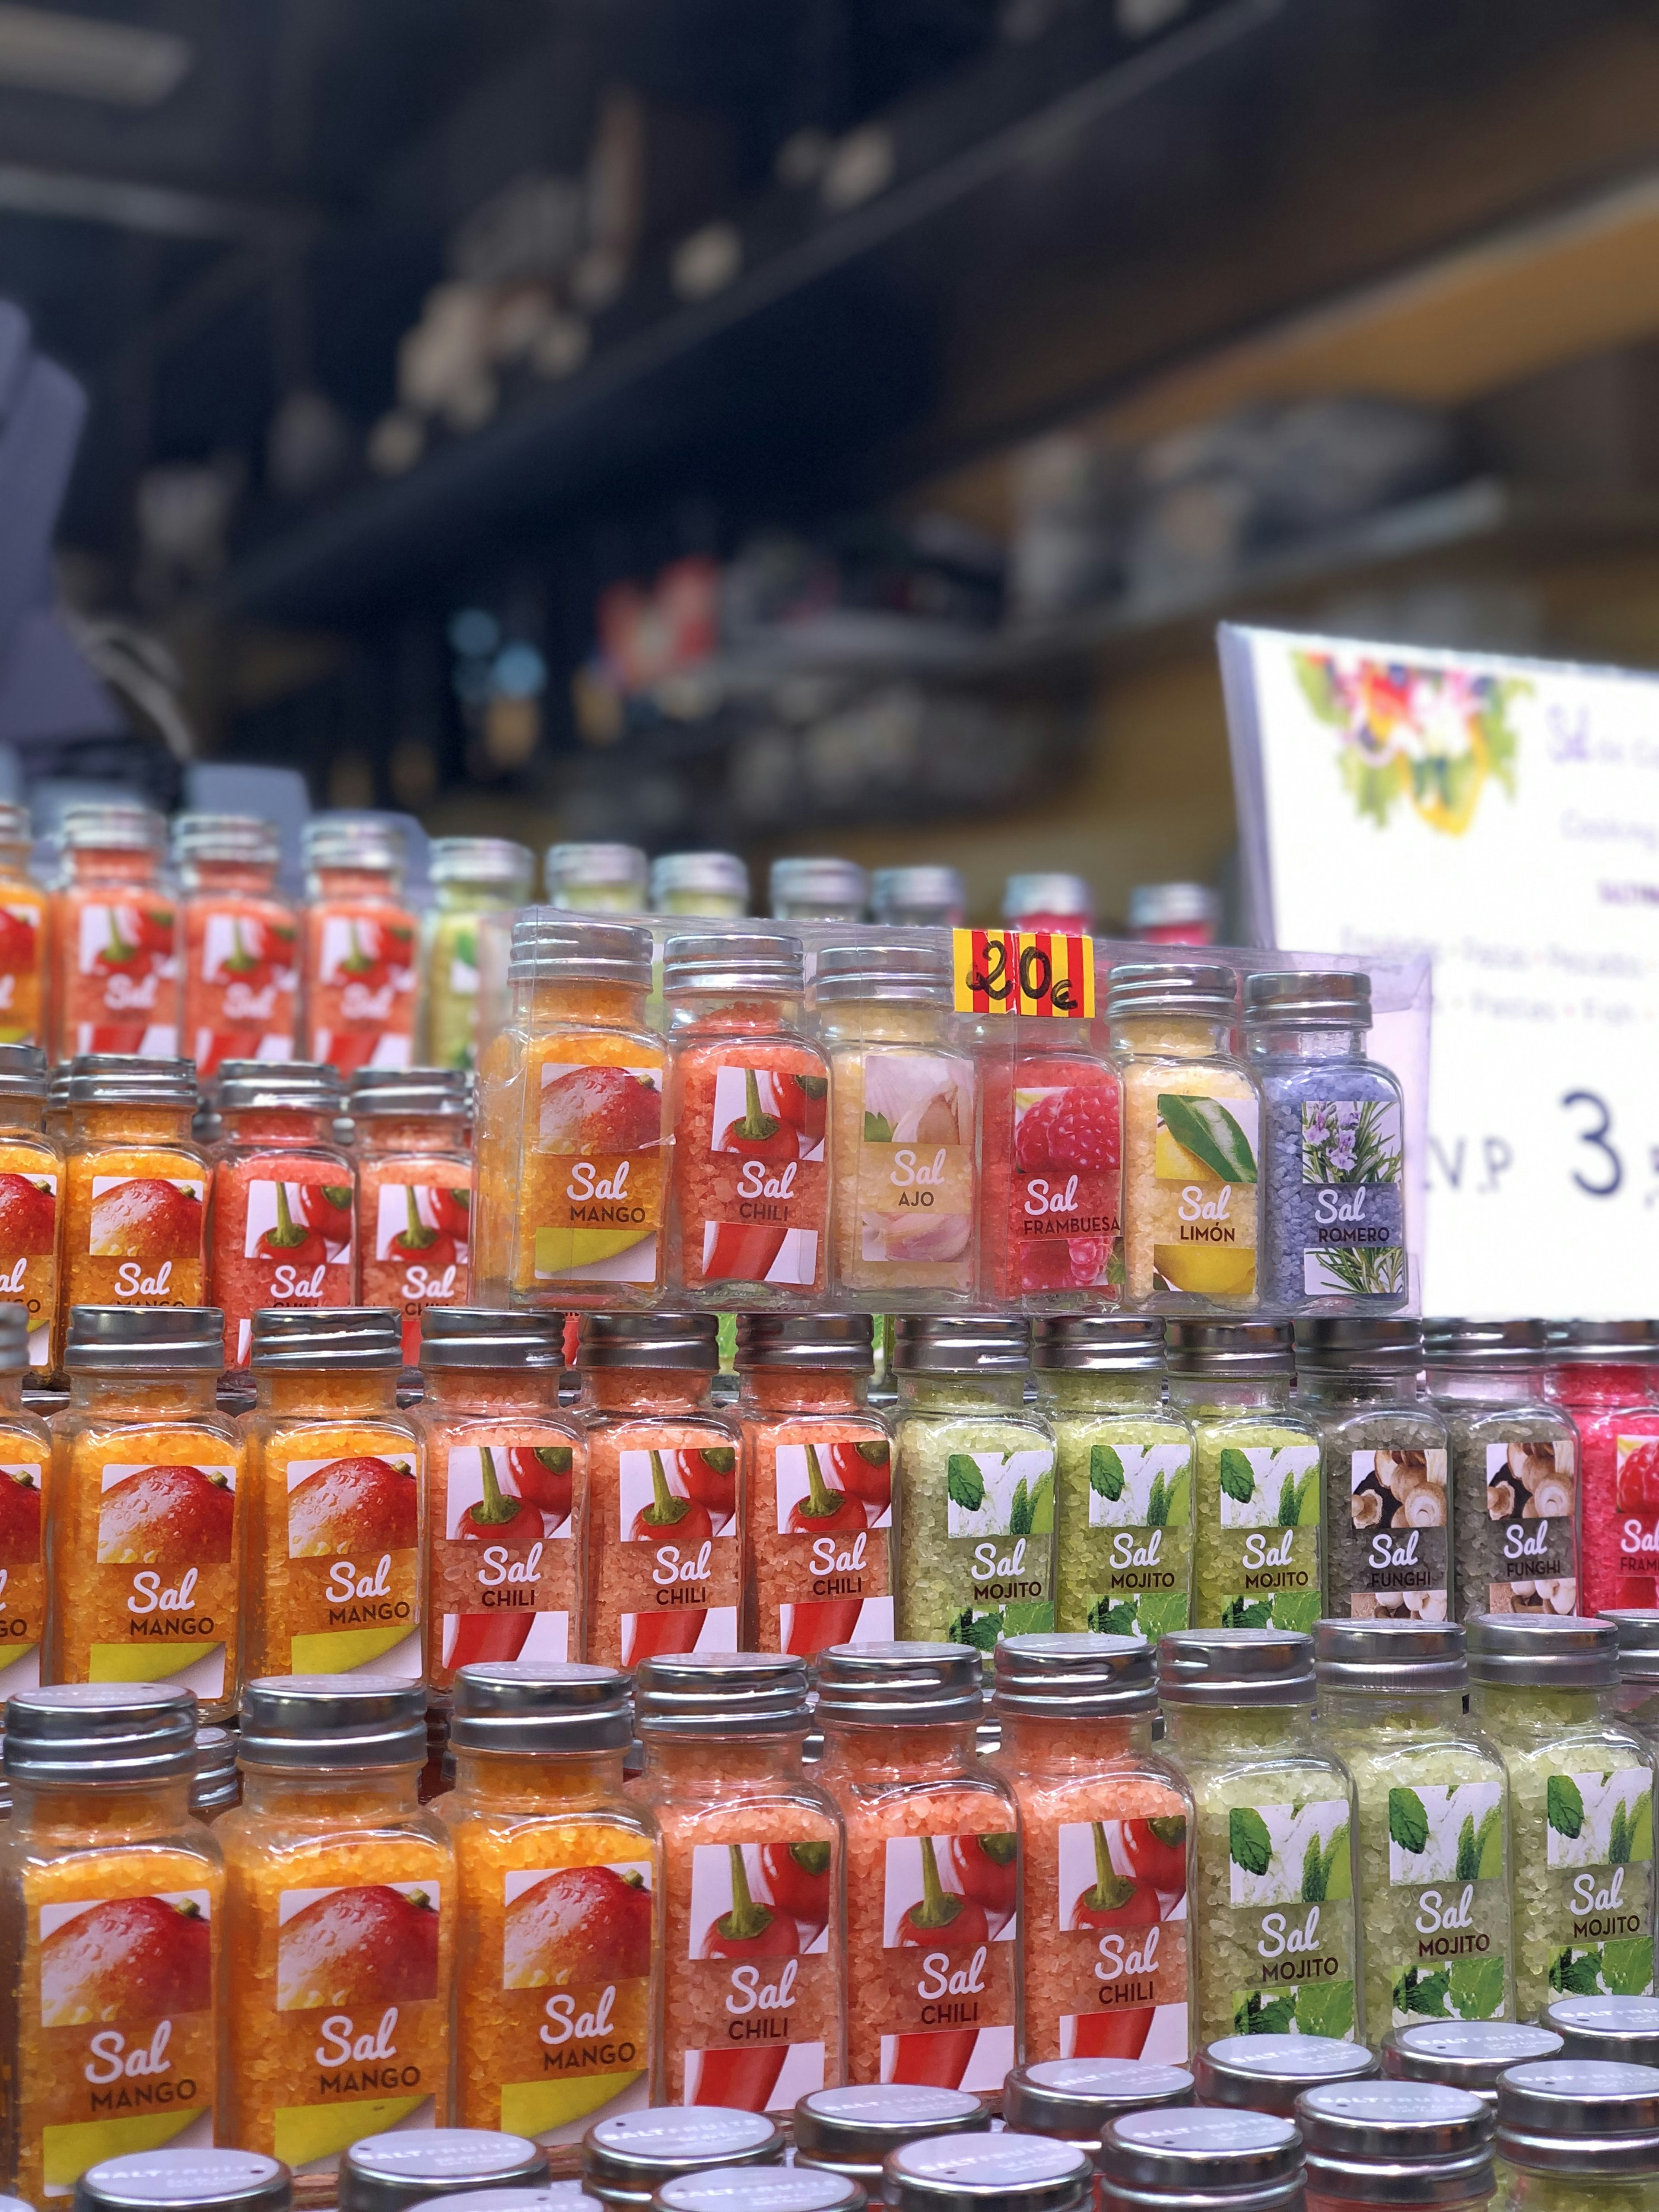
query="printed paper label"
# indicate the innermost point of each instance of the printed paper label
(363, 999)
(1446, 1848)
(1598, 1835)
(675, 1574)
(1524, 1553)
(123, 992)
(504, 1570)
(415, 1251)
(354, 1565)
(1346, 1217)
(241, 993)
(755, 1213)
(22, 1576)
(296, 1247)
(1291, 1886)
(915, 1166)
(948, 1924)
(1270, 1533)
(1120, 1952)
(596, 1204)
(1143, 1494)
(754, 2014)
(144, 1243)
(1397, 1505)
(22, 961)
(1637, 1501)
(999, 1527)
(1203, 1196)
(833, 1512)
(574, 2039)
(1067, 1198)
(160, 1603)
(28, 1247)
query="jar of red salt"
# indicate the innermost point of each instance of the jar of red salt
(414, 1190)
(754, 2001)
(818, 1486)
(115, 966)
(749, 1103)
(933, 1875)
(1606, 1373)
(279, 1230)
(1051, 1166)
(664, 1523)
(1104, 1830)
(241, 942)
(359, 949)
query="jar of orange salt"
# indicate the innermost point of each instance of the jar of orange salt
(507, 1492)
(25, 1464)
(31, 1186)
(334, 1508)
(664, 1514)
(558, 1877)
(754, 1997)
(359, 945)
(23, 934)
(115, 979)
(241, 942)
(339, 1923)
(110, 1897)
(281, 1216)
(414, 1190)
(1103, 1825)
(933, 1875)
(135, 1186)
(144, 1506)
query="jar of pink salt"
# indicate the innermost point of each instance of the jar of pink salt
(1105, 1827)
(1606, 1373)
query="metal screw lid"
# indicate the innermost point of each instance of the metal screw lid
(352, 840)
(1236, 1667)
(16, 823)
(1465, 2054)
(1448, 1341)
(411, 1093)
(482, 861)
(156, 1340)
(23, 1074)
(1202, 988)
(125, 1078)
(1074, 1677)
(229, 837)
(1396, 2142)
(383, 2174)
(554, 2196)
(1268, 2073)
(487, 1337)
(721, 1693)
(851, 2129)
(1188, 2156)
(214, 1782)
(1310, 998)
(1584, 2115)
(641, 2150)
(899, 1685)
(920, 896)
(1387, 1658)
(1601, 1343)
(295, 1086)
(735, 963)
(1223, 1349)
(535, 1706)
(1047, 891)
(92, 1732)
(109, 827)
(595, 867)
(1026, 2173)
(1099, 1344)
(1637, 1630)
(1387, 1345)
(817, 1343)
(186, 2181)
(1076, 2097)
(961, 1344)
(761, 2189)
(894, 973)
(357, 1338)
(803, 889)
(650, 1339)
(13, 1339)
(1625, 2028)
(550, 946)
(722, 875)
(332, 1721)
(1543, 1651)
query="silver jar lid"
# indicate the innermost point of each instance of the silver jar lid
(247, 838)
(1465, 2054)
(735, 963)
(104, 826)
(1389, 1344)
(482, 861)
(1542, 1651)
(1192, 2156)
(650, 1339)
(352, 840)
(1165, 906)
(622, 868)
(1025, 2173)
(1451, 1342)
(961, 1344)
(1202, 988)
(1626, 2028)
(126, 1079)
(1601, 1343)
(100, 1732)
(15, 1338)
(1077, 2097)
(1048, 890)
(214, 1782)
(186, 2181)
(334, 1722)
(721, 1693)
(23, 1074)
(1236, 1667)
(16, 823)
(1309, 998)
(1391, 1658)
(812, 1344)
(383, 2174)
(490, 1337)
(631, 2154)
(551, 2196)
(1220, 1349)
(411, 1094)
(1269, 2073)
(278, 1086)
(1637, 1630)
(851, 2129)
(761, 2189)
(893, 973)
(923, 898)
(1585, 2116)
(1099, 1344)
(357, 1338)
(706, 875)
(1389, 2143)
(1075, 1676)
(808, 889)
(537, 1706)
(899, 1685)
(551, 946)
(148, 1340)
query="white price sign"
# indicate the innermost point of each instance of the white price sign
(1503, 816)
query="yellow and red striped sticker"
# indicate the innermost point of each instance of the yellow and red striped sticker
(1007, 971)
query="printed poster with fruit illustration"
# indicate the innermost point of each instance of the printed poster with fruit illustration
(949, 1916)
(574, 2018)
(1143, 1493)
(1290, 1884)
(1270, 1513)
(675, 1569)
(595, 1171)
(752, 2017)
(1121, 1965)
(1598, 1835)
(1000, 1521)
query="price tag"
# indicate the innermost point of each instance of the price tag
(1002, 971)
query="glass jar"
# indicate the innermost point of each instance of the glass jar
(1269, 2073)
(626, 2157)
(1005, 2173)
(754, 1956)
(1234, 2161)
(57, 1120)
(471, 878)
(558, 1879)
(1173, 914)
(115, 981)
(333, 1522)
(749, 1102)
(215, 1784)
(974, 1484)
(339, 1923)
(111, 1896)
(850, 2130)
(359, 958)
(410, 2166)
(414, 1191)
(25, 1464)
(1050, 1165)
(1605, 1375)
(281, 1228)
(919, 899)
(665, 1524)
(933, 1875)
(712, 883)
(1581, 1805)
(1274, 1940)
(1257, 1552)
(241, 981)
(186, 2181)
(1334, 1212)
(24, 934)
(818, 1486)
(506, 1492)
(31, 1185)
(1076, 2099)
(144, 1507)
(1395, 2143)
(1465, 2054)
(135, 1222)
(1191, 1136)
(1389, 1539)
(1123, 1476)
(903, 1190)
(1047, 900)
(596, 878)
(1435, 1936)
(1514, 1469)
(754, 2188)
(1623, 2028)
(817, 890)
(1638, 1672)
(1578, 2135)
(1101, 1968)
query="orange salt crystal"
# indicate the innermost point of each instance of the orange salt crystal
(115, 980)
(31, 1188)
(25, 1480)
(142, 1517)
(414, 1191)
(558, 1877)
(135, 1186)
(339, 1924)
(754, 1997)
(112, 1897)
(1103, 1829)
(24, 934)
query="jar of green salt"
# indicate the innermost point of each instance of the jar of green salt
(1273, 1947)
(974, 1502)
(1123, 1475)
(1256, 1556)
(1581, 1805)
(1578, 2135)
(1388, 1532)
(1638, 1672)
(1434, 1937)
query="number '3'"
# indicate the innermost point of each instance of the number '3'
(1599, 1137)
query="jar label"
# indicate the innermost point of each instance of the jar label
(1523, 1556)
(946, 1999)
(504, 1569)
(1290, 1886)
(1000, 1524)
(22, 1576)
(1065, 1200)
(415, 1248)
(28, 1247)
(352, 1602)
(1636, 1496)
(123, 989)
(295, 1245)
(112, 2074)
(674, 1577)
(1395, 1560)
(1120, 1956)
(752, 2021)
(1446, 1960)
(915, 1190)
(749, 1162)
(1202, 1202)
(144, 1243)
(1598, 1835)
(22, 957)
(160, 1605)
(826, 1581)
(1142, 1570)
(595, 1174)
(1268, 1573)
(1346, 1215)
(453, 984)
(567, 2034)
(241, 996)
(361, 1009)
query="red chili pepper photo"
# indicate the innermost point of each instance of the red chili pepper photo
(803, 1101)
(1114, 1901)
(988, 1869)
(294, 1242)
(744, 2080)
(683, 1522)
(419, 1243)
(154, 927)
(451, 1210)
(544, 1474)
(798, 1882)
(821, 1622)
(865, 1471)
(710, 1476)
(746, 1251)
(1157, 1851)
(121, 953)
(942, 1921)
(327, 1206)
(17, 943)
(365, 960)
(481, 1636)
(497, 1512)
